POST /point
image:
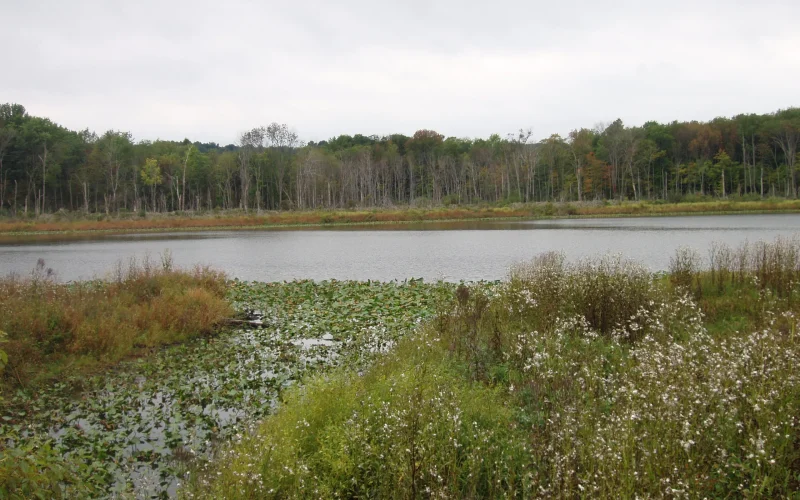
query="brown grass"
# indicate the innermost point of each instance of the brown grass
(53, 327)
(269, 219)
(78, 223)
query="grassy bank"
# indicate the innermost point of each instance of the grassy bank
(65, 222)
(54, 329)
(594, 379)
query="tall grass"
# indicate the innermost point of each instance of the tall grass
(609, 292)
(55, 328)
(775, 265)
(592, 379)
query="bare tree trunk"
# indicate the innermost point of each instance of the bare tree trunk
(182, 199)
(411, 193)
(787, 140)
(43, 159)
(114, 187)
(753, 144)
(244, 174)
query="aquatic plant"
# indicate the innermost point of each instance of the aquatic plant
(147, 423)
(538, 387)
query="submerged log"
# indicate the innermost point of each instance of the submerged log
(255, 323)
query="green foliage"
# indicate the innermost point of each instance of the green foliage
(35, 469)
(409, 427)
(659, 403)
(744, 156)
(151, 172)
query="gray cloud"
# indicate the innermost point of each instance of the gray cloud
(207, 70)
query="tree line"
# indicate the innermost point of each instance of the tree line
(45, 167)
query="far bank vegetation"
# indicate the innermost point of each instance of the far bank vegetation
(45, 167)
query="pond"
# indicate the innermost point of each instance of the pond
(453, 251)
(142, 427)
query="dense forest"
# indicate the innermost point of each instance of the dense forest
(45, 167)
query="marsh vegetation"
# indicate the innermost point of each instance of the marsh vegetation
(142, 426)
(56, 327)
(588, 378)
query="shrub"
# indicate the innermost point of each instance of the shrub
(608, 292)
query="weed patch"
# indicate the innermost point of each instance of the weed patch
(52, 327)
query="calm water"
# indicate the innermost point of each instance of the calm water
(451, 251)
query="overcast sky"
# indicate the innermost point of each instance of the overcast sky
(208, 70)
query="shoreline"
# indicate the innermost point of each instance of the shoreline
(291, 220)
